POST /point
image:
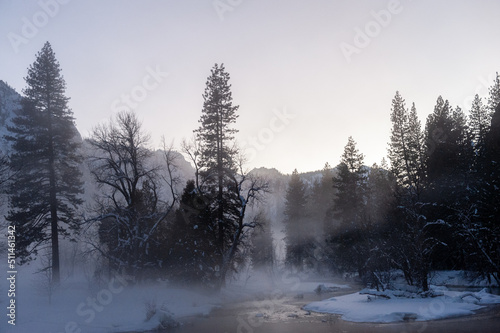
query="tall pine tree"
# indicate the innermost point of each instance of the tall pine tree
(439, 152)
(417, 148)
(406, 148)
(349, 208)
(350, 183)
(298, 233)
(380, 193)
(494, 95)
(448, 153)
(221, 179)
(490, 201)
(44, 193)
(478, 227)
(479, 122)
(320, 202)
(262, 251)
(462, 141)
(217, 148)
(448, 184)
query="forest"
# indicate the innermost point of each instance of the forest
(432, 204)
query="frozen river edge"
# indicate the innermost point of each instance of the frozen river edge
(285, 313)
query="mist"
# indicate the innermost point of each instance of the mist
(242, 166)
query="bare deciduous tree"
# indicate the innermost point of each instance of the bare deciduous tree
(131, 207)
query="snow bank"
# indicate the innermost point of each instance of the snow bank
(359, 307)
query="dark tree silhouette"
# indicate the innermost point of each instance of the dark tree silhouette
(44, 193)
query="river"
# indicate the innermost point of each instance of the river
(286, 315)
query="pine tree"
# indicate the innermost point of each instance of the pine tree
(351, 186)
(406, 152)
(493, 155)
(320, 202)
(478, 223)
(262, 252)
(417, 148)
(4, 171)
(44, 193)
(398, 150)
(494, 95)
(380, 193)
(493, 137)
(221, 178)
(449, 153)
(350, 210)
(439, 152)
(192, 253)
(298, 232)
(380, 200)
(217, 153)
(408, 155)
(479, 124)
(462, 141)
(449, 185)
(490, 201)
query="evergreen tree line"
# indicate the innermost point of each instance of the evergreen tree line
(137, 223)
(435, 207)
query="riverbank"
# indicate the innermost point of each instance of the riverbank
(288, 316)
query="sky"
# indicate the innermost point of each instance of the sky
(305, 74)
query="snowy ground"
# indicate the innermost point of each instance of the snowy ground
(116, 306)
(360, 307)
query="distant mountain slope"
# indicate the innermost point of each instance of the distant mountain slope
(10, 101)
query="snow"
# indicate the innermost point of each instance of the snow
(359, 307)
(114, 306)
(120, 306)
(458, 278)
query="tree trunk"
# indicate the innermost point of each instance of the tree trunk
(55, 246)
(53, 219)
(53, 204)
(220, 177)
(227, 260)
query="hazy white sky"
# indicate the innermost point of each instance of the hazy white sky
(306, 74)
